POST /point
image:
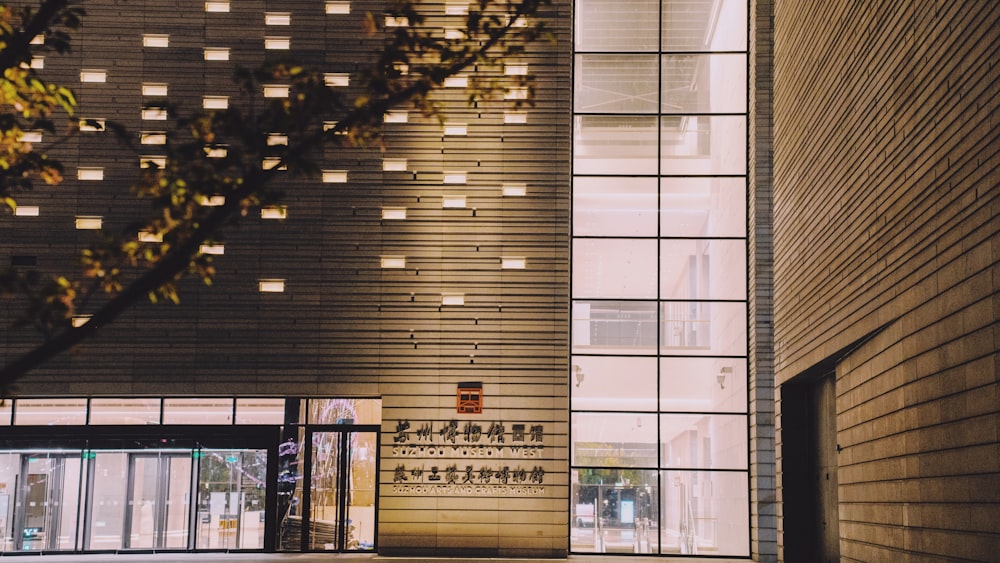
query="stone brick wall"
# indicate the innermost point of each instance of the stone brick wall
(886, 223)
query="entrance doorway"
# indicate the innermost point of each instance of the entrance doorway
(45, 503)
(158, 508)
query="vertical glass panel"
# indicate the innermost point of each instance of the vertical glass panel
(703, 441)
(614, 511)
(124, 411)
(143, 502)
(704, 83)
(345, 411)
(10, 468)
(158, 501)
(616, 84)
(50, 412)
(614, 268)
(291, 463)
(324, 491)
(610, 144)
(703, 269)
(704, 25)
(176, 503)
(703, 144)
(616, 25)
(623, 440)
(260, 411)
(614, 327)
(703, 207)
(617, 206)
(703, 384)
(6, 410)
(705, 513)
(613, 383)
(108, 501)
(46, 502)
(231, 499)
(361, 486)
(198, 411)
(704, 328)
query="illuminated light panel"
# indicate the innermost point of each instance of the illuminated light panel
(216, 53)
(460, 8)
(152, 160)
(273, 163)
(397, 117)
(159, 40)
(277, 43)
(394, 165)
(80, 320)
(393, 21)
(455, 177)
(153, 138)
(515, 117)
(216, 6)
(453, 34)
(393, 262)
(154, 89)
(37, 63)
(516, 94)
(271, 286)
(31, 137)
(337, 79)
(394, 213)
(213, 249)
(515, 190)
(335, 176)
(212, 200)
(456, 129)
(513, 262)
(453, 299)
(90, 174)
(456, 82)
(515, 69)
(146, 236)
(453, 202)
(327, 125)
(92, 124)
(89, 222)
(276, 91)
(93, 75)
(215, 102)
(274, 212)
(26, 211)
(277, 140)
(338, 8)
(154, 114)
(38, 40)
(216, 152)
(277, 18)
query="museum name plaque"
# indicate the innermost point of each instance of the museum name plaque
(444, 458)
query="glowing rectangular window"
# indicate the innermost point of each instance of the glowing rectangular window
(90, 174)
(216, 152)
(215, 102)
(149, 161)
(271, 286)
(79, 320)
(153, 137)
(394, 21)
(212, 200)
(159, 40)
(334, 176)
(515, 69)
(327, 125)
(277, 140)
(273, 163)
(89, 223)
(274, 212)
(397, 117)
(37, 63)
(453, 299)
(198, 411)
(38, 40)
(277, 18)
(516, 94)
(124, 411)
(26, 211)
(456, 82)
(154, 114)
(154, 89)
(456, 8)
(393, 262)
(213, 249)
(514, 190)
(31, 137)
(276, 91)
(91, 124)
(338, 7)
(146, 236)
(93, 75)
(260, 411)
(455, 177)
(453, 202)
(515, 117)
(216, 6)
(394, 165)
(454, 34)
(513, 262)
(50, 412)
(456, 129)
(277, 43)
(337, 79)
(394, 213)
(216, 53)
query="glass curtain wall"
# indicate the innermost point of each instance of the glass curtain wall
(659, 316)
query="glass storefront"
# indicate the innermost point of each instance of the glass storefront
(659, 426)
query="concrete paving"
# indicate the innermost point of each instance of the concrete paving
(323, 557)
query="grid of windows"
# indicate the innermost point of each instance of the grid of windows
(659, 342)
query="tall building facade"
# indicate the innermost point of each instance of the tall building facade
(511, 332)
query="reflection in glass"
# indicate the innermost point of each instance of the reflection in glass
(614, 268)
(704, 83)
(703, 144)
(703, 269)
(612, 144)
(159, 500)
(46, 501)
(703, 441)
(50, 412)
(345, 411)
(620, 327)
(614, 510)
(260, 411)
(616, 25)
(614, 439)
(231, 485)
(703, 384)
(704, 25)
(198, 411)
(703, 207)
(614, 383)
(616, 206)
(616, 84)
(108, 501)
(704, 512)
(124, 411)
(703, 328)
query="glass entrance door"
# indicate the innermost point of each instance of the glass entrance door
(340, 506)
(231, 495)
(158, 510)
(46, 502)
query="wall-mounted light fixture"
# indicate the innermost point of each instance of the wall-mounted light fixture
(578, 371)
(721, 378)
